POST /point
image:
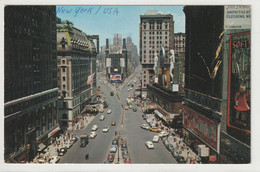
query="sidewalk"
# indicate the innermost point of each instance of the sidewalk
(51, 150)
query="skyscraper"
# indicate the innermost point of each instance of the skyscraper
(156, 30)
(30, 80)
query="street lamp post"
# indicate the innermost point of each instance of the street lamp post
(118, 139)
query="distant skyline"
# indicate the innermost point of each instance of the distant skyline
(106, 21)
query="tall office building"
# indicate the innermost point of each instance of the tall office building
(156, 30)
(179, 43)
(30, 72)
(76, 71)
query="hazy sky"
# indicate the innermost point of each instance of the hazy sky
(106, 21)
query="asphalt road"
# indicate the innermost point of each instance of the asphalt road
(128, 125)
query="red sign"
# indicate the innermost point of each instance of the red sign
(202, 127)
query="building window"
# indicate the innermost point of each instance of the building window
(63, 69)
(63, 61)
(63, 78)
(63, 86)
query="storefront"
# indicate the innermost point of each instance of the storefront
(201, 133)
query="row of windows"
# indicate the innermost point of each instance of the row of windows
(157, 42)
(158, 37)
(158, 33)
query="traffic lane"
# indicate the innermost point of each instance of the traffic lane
(137, 137)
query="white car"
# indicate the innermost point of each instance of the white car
(145, 126)
(94, 127)
(109, 111)
(113, 149)
(105, 129)
(163, 134)
(149, 145)
(54, 159)
(102, 117)
(93, 134)
(156, 138)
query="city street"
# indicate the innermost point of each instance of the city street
(128, 125)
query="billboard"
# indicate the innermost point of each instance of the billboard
(239, 84)
(115, 77)
(108, 62)
(237, 17)
(122, 62)
(204, 128)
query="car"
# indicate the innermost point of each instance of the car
(170, 147)
(132, 99)
(130, 106)
(123, 146)
(156, 138)
(180, 159)
(149, 144)
(54, 159)
(163, 133)
(145, 126)
(115, 141)
(129, 96)
(110, 157)
(131, 88)
(126, 107)
(111, 93)
(174, 153)
(105, 129)
(155, 129)
(102, 117)
(68, 144)
(101, 110)
(62, 151)
(134, 109)
(93, 134)
(109, 111)
(94, 127)
(127, 161)
(125, 154)
(166, 142)
(113, 149)
(113, 123)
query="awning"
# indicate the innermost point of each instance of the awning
(53, 132)
(41, 146)
(158, 113)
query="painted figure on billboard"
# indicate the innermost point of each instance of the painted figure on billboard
(172, 61)
(156, 65)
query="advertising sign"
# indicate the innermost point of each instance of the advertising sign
(108, 62)
(122, 62)
(237, 17)
(204, 128)
(115, 77)
(239, 84)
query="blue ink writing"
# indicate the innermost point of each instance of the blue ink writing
(83, 10)
(62, 10)
(111, 10)
(98, 10)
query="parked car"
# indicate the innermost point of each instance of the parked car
(62, 151)
(175, 153)
(111, 93)
(113, 123)
(170, 147)
(145, 126)
(166, 142)
(156, 138)
(134, 109)
(149, 145)
(94, 127)
(114, 142)
(109, 111)
(125, 153)
(123, 146)
(101, 110)
(155, 129)
(113, 149)
(130, 106)
(54, 159)
(102, 117)
(180, 159)
(110, 157)
(127, 161)
(126, 107)
(74, 139)
(105, 129)
(93, 134)
(163, 133)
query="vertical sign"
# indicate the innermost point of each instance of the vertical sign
(239, 86)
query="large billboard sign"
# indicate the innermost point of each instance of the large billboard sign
(237, 17)
(239, 87)
(202, 127)
(115, 77)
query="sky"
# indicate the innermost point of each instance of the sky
(106, 21)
